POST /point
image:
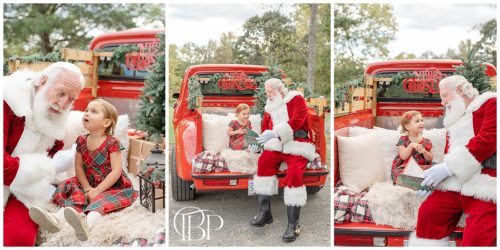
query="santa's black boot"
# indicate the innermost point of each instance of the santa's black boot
(264, 217)
(293, 227)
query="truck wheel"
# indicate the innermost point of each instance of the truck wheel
(181, 190)
(313, 189)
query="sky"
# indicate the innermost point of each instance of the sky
(199, 23)
(437, 27)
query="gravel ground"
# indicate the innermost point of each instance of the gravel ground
(236, 209)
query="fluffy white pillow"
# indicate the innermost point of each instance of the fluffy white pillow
(388, 139)
(360, 161)
(215, 136)
(438, 139)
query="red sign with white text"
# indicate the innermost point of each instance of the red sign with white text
(236, 81)
(143, 59)
(426, 82)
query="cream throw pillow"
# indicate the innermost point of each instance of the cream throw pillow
(214, 137)
(360, 161)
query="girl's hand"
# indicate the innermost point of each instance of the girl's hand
(92, 193)
(420, 149)
(241, 131)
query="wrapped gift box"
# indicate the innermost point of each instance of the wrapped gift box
(138, 151)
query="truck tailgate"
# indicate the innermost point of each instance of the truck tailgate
(369, 234)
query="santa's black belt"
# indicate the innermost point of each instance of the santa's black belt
(490, 162)
(301, 134)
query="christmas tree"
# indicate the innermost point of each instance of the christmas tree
(151, 116)
(474, 71)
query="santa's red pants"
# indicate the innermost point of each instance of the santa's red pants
(441, 211)
(18, 228)
(269, 164)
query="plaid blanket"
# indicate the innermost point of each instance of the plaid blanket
(205, 162)
(316, 163)
(350, 206)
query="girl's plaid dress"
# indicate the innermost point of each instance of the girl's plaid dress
(97, 166)
(237, 142)
(398, 164)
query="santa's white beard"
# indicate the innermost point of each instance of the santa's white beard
(274, 103)
(454, 110)
(47, 123)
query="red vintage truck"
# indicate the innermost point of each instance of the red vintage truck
(121, 84)
(380, 103)
(188, 129)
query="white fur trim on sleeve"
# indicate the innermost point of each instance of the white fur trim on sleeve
(462, 163)
(273, 145)
(265, 185)
(304, 149)
(292, 94)
(420, 242)
(32, 181)
(284, 131)
(295, 196)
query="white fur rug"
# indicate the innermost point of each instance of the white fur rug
(240, 160)
(395, 206)
(128, 224)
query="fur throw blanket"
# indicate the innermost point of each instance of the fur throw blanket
(126, 225)
(395, 206)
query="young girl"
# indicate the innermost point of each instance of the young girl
(100, 185)
(238, 128)
(411, 144)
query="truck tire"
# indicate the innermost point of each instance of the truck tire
(313, 189)
(181, 190)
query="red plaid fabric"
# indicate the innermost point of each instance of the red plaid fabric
(237, 142)
(316, 164)
(205, 162)
(350, 206)
(97, 166)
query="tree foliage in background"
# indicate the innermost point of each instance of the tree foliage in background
(151, 114)
(473, 69)
(269, 39)
(44, 28)
(361, 31)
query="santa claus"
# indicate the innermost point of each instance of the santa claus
(36, 107)
(466, 181)
(286, 138)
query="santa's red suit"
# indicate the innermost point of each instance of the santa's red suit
(28, 168)
(289, 121)
(471, 189)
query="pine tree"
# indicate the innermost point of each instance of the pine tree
(474, 71)
(151, 116)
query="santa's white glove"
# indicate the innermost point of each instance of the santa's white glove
(423, 193)
(434, 175)
(64, 159)
(253, 148)
(266, 136)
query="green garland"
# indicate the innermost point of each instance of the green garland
(194, 88)
(343, 94)
(194, 91)
(398, 78)
(260, 93)
(38, 57)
